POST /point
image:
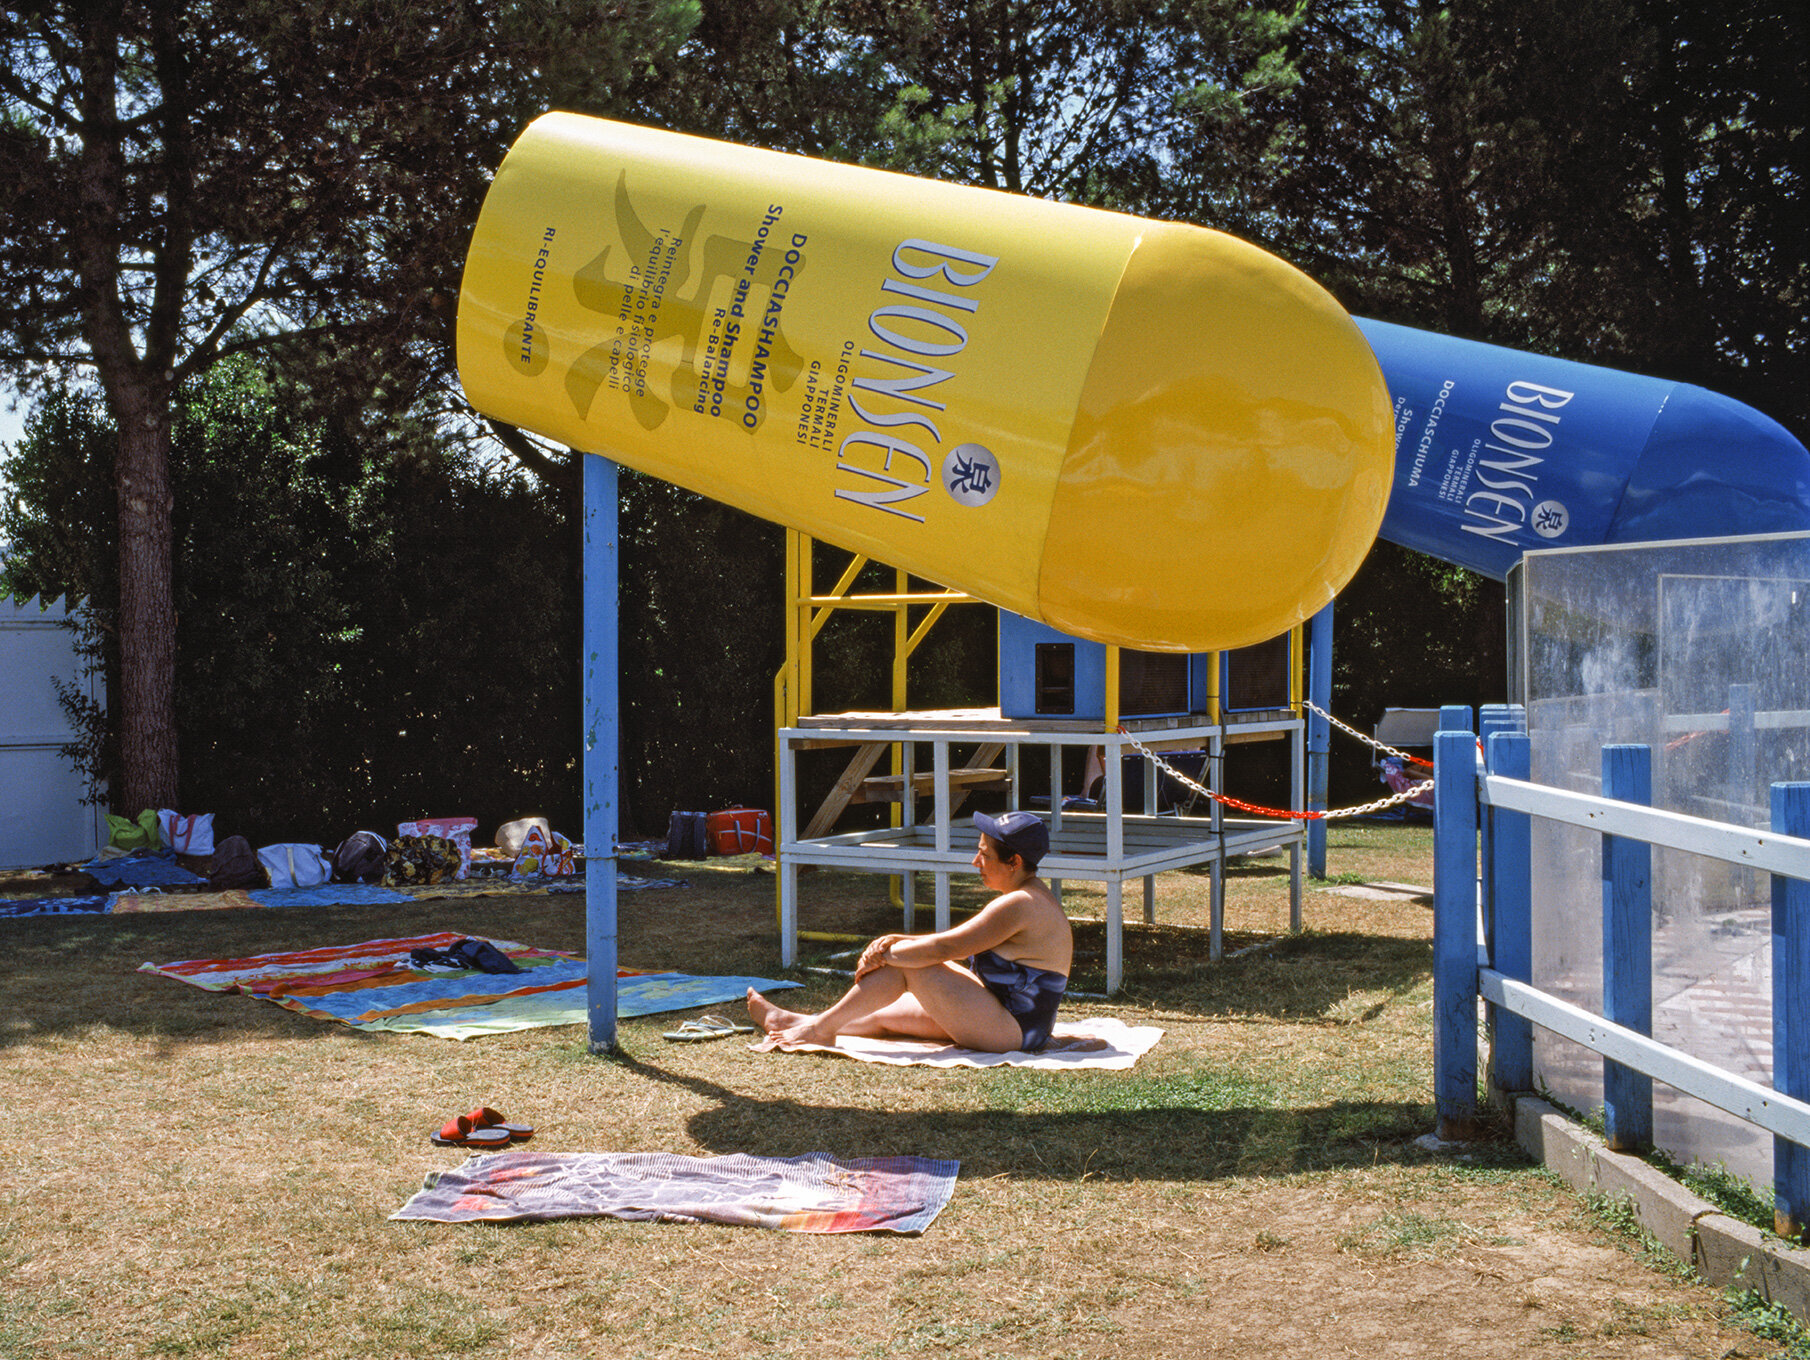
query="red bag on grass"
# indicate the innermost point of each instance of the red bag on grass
(740, 831)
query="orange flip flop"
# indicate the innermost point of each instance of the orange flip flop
(484, 1118)
(460, 1131)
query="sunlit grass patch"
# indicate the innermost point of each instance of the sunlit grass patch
(1412, 1234)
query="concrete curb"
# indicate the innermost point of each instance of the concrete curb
(1724, 1251)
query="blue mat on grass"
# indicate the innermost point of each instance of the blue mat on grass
(141, 871)
(53, 906)
(329, 895)
(645, 994)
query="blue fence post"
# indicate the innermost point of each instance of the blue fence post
(1455, 929)
(1790, 1014)
(1508, 868)
(1491, 718)
(1319, 735)
(600, 747)
(1627, 948)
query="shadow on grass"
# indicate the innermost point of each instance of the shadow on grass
(1150, 1142)
(65, 974)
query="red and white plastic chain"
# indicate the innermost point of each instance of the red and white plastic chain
(1330, 814)
(1346, 728)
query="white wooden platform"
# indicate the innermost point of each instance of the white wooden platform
(1109, 846)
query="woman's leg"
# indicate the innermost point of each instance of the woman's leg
(945, 1002)
(872, 992)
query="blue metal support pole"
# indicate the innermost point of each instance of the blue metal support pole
(1791, 1014)
(601, 746)
(1627, 948)
(1455, 930)
(1319, 735)
(1508, 867)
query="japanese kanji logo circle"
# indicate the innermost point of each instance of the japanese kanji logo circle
(971, 474)
(1549, 519)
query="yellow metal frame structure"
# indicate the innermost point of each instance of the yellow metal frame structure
(806, 614)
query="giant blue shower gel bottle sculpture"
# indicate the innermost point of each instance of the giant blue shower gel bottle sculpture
(1499, 452)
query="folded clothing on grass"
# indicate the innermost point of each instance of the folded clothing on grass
(1097, 1042)
(815, 1193)
(375, 986)
(141, 871)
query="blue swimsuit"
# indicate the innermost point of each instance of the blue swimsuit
(1030, 995)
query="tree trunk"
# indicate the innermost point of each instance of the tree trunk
(147, 612)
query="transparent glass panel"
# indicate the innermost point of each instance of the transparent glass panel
(1701, 651)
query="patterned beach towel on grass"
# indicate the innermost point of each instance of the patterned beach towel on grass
(815, 1193)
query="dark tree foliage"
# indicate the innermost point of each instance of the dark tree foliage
(784, 74)
(1082, 100)
(1665, 226)
(701, 642)
(1615, 181)
(179, 183)
(1618, 181)
(359, 641)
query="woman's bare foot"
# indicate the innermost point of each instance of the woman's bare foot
(807, 1031)
(770, 1018)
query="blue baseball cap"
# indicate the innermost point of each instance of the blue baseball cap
(1023, 833)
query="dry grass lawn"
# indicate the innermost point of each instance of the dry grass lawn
(202, 1175)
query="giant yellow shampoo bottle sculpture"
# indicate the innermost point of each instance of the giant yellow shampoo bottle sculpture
(1139, 432)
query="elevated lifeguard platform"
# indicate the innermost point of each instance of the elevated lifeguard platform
(1114, 845)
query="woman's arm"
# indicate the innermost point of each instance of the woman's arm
(875, 955)
(993, 925)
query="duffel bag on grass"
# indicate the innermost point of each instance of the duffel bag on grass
(136, 836)
(192, 835)
(234, 865)
(295, 866)
(740, 831)
(454, 830)
(686, 836)
(360, 857)
(545, 854)
(419, 861)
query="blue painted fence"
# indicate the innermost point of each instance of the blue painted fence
(1482, 943)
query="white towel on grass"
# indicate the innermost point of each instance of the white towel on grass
(1099, 1042)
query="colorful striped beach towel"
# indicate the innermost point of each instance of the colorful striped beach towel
(374, 979)
(374, 985)
(815, 1193)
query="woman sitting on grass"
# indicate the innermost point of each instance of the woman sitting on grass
(1018, 951)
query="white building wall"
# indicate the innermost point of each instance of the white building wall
(42, 818)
